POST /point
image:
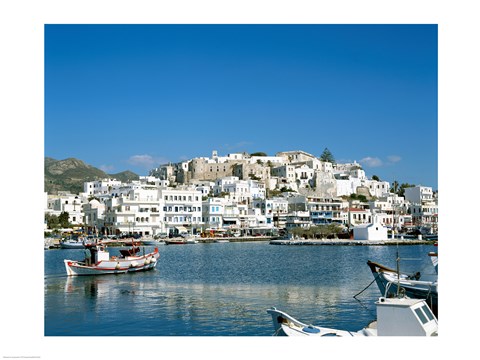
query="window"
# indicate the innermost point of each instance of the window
(421, 316)
(427, 312)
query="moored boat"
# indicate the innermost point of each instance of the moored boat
(72, 244)
(391, 283)
(102, 263)
(175, 242)
(152, 242)
(395, 317)
(181, 241)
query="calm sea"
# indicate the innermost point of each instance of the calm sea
(222, 289)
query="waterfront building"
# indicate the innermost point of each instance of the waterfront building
(423, 207)
(298, 219)
(394, 209)
(275, 210)
(213, 210)
(325, 210)
(137, 213)
(359, 216)
(182, 209)
(68, 203)
(94, 217)
(370, 231)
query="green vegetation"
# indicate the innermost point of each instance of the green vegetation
(318, 231)
(56, 222)
(361, 198)
(327, 156)
(400, 189)
(258, 154)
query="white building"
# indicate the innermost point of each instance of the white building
(347, 185)
(69, 203)
(419, 194)
(378, 188)
(101, 187)
(304, 175)
(94, 217)
(285, 172)
(325, 210)
(182, 210)
(213, 210)
(373, 231)
(138, 212)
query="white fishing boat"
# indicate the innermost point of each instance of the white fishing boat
(103, 263)
(395, 317)
(72, 244)
(151, 241)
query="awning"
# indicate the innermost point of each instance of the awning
(181, 229)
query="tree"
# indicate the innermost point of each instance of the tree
(52, 221)
(361, 198)
(327, 156)
(394, 187)
(376, 178)
(259, 154)
(63, 220)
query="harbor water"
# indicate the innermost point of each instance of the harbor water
(222, 289)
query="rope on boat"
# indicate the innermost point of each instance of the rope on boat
(374, 279)
(277, 331)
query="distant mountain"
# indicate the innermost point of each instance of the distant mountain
(70, 174)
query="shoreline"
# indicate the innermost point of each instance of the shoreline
(350, 242)
(274, 240)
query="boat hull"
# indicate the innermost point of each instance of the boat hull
(75, 268)
(72, 246)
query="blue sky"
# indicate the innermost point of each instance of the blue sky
(131, 97)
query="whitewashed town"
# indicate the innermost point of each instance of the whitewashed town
(248, 195)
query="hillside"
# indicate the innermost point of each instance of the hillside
(70, 174)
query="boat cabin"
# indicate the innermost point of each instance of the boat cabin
(405, 317)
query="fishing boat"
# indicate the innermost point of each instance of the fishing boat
(181, 241)
(103, 263)
(151, 241)
(175, 242)
(395, 317)
(72, 244)
(392, 282)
